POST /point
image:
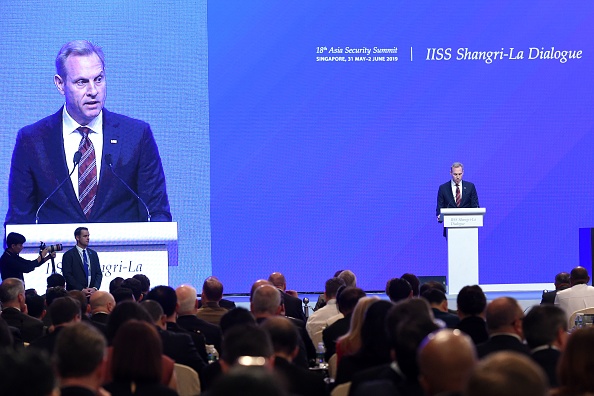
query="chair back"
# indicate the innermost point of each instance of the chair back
(341, 390)
(584, 311)
(188, 383)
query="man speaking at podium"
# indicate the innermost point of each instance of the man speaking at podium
(456, 193)
(120, 176)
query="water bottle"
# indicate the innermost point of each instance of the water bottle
(321, 356)
(579, 321)
(213, 354)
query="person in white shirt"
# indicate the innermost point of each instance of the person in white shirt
(579, 295)
(317, 321)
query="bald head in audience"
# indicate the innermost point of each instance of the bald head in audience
(187, 300)
(504, 315)
(256, 285)
(278, 280)
(102, 301)
(579, 276)
(509, 374)
(446, 359)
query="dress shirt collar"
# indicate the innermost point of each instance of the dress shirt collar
(543, 348)
(70, 125)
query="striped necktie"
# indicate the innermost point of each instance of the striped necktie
(87, 172)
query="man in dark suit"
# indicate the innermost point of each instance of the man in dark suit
(80, 265)
(293, 305)
(439, 305)
(562, 282)
(456, 193)
(43, 153)
(12, 296)
(545, 329)
(504, 323)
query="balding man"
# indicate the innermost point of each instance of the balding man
(579, 295)
(562, 282)
(212, 293)
(504, 324)
(509, 374)
(186, 317)
(102, 303)
(293, 305)
(446, 359)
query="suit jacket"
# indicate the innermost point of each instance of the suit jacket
(48, 341)
(74, 273)
(212, 333)
(300, 381)
(293, 307)
(181, 348)
(197, 338)
(548, 297)
(333, 332)
(475, 327)
(501, 342)
(39, 165)
(446, 199)
(547, 359)
(31, 328)
(450, 320)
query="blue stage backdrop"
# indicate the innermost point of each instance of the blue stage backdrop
(333, 123)
(156, 68)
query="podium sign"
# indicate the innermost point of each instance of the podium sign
(462, 224)
(124, 249)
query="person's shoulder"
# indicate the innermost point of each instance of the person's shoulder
(117, 119)
(40, 126)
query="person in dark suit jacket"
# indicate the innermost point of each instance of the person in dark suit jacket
(12, 296)
(439, 305)
(44, 150)
(446, 195)
(73, 266)
(293, 305)
(504, 323)
(562, 282)
(545, 329)
(471, 302)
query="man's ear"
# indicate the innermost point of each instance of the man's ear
(59, 82)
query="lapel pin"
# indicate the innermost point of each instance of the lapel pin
(113, 141)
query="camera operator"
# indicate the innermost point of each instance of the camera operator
(80, 265)
(12, 265)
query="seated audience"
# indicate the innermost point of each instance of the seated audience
(439, 305)
(317, 320)
(349, 278)
(398, 289)
(350, 343)
(414, 283)
(26, 372)
(293, 305)
(562, 282)
(509, 374)
(186, 317)
(14, 310)
(579, 296)
(64, 311)
(545, 330)
(56, 280)
(35, 306)
(471, 303)
(212, 293)
(136, 287)
(575, 364)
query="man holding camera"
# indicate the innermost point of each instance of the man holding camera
(80, 265)
(12, 265)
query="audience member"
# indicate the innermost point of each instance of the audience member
(398, 289)
(562, 282)
(509, 374)
(414, 283)
(248, 381)
(145, 283)
(80, 358)
(187, 319)
(80, 296)
(135, 286)
(293, 305)
(432, 285)
(321, 300)
(14, 310)
(346, 300)
(123, 294)
(136, 363)
(579, 296)
(50, 295)
(237, 317)
(317, 320)
(446, 359)
(439, 305)
(545, 330)
(284, 337)
(102, 304)
(212, 293)
(64, 311)
(115, 284)
(471, 303)
(349, 278)
(35, 306)
(56, 280)
(350, 343)
(575, 364)
(504, 323)
(26, 372)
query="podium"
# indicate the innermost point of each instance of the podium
(124, 249)
(462, 225)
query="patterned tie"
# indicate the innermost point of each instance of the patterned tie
(86, 263)
(87, 173)
(458, 197)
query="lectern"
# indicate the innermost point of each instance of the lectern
(462, 225)
(124, 249)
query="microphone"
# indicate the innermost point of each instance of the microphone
(109, 164)
(76, 160)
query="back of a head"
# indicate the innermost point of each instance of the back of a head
(502, 312)
(135, 286)
(347, 299)
(236, 317)
(79, 350)
(432, 285)
(562, 279)
(579, 275)
(14, 238)
(349, 278)
(414, 282)
(278, 280)
(122, 294)
(10, 288)
(471, 300)
(331, 287)
(509, 374)
(54, 292)
(35, 305)
(247, 381)
(245, 341)
(165, 296)
(445, 359)
(145, 282)
(56, 280)
(398, 289)
(374, 337)
(154, 309)
(82, 300)
(408, 336)
(542, 324)
(100, 300)
(212, 289)
(115, 284)
(64, 310)
(124, 312)
(137, 353)
(283, 334)
(434, 296)
(186, 298)
(575, 364)
(27, 371)
(266, 300)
